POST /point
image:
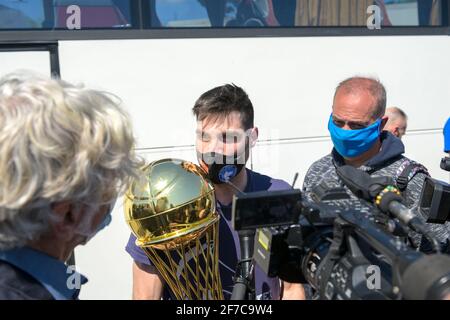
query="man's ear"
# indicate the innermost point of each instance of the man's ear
(396, 132)
(65, 218)
(253, 136)
(384, 120)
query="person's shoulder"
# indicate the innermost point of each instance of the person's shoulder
(320, 167)
(136, 252)
(319, 170)
(324, 162)
(278, 184)
(405, 163)
(18, 285)
(408, 174)
(264, 182)
(447, 136)
(447, 126)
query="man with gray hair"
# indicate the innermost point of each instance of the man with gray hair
(356, 129)
(397, 121)
(66, 152)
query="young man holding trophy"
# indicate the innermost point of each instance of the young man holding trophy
(225, 135)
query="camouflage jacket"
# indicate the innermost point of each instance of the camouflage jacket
(388, 162)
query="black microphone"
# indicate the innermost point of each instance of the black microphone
(245, 280)
(246, 241)
(382, 192)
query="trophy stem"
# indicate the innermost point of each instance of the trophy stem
(191, 268)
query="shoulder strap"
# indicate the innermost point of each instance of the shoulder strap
(407, 170)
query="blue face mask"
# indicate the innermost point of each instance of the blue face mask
(106, 221)
(352, 143)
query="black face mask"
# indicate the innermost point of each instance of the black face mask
(222, 168)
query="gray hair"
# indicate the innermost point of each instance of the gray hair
(395, 113)
(58, 142)
(371, 85)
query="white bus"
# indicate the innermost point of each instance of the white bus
(159, 56)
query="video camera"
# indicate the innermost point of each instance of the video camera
(349, 247)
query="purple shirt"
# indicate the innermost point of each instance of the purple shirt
(229, 250)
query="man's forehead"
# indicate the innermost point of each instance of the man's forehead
(357, 105)
(221, 123)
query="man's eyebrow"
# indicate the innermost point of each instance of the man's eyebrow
(337, 118)
(359, 122)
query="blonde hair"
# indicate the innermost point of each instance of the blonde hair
(58, 142)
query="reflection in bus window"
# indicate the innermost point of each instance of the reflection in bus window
(354, 13)
(16, 14)
(53, 14)
(107, 14)
(94, 13)
(414, 12)
(291, 13)
(174, 13)
(217, 13)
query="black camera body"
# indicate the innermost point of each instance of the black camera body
(345, 248)
(445, 164)
(435, 201)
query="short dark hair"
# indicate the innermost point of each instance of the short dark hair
(372, 85)
(221, 101)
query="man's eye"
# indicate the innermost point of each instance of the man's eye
(203, 137)
(357, 126)
(339, 123)
(230, 139)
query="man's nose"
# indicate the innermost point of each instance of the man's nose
(346, 127)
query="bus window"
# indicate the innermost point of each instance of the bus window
(335, 13)
(217, 13)
(21, 14)
(292, 13)
(95, 13)
(185, 13)
(414, 12)
(54, 14)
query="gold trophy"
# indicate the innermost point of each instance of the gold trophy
(171, 210)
